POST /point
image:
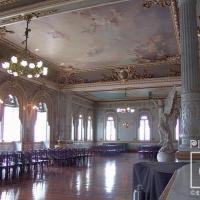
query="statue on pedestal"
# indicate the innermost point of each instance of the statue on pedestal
(165, 112)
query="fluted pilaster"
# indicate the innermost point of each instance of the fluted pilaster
(190, 74)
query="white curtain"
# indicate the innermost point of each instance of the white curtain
(11, 125)
(42, 128)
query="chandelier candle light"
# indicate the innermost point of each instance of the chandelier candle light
(125, 109)
(25, 64)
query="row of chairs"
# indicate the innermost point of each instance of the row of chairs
(69, 157)
(107, 149)
(14, 164)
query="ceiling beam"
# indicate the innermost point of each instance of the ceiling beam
(51, 7)
(132, 84)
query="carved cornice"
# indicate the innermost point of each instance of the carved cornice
(143, 62)
(33, 14)
(131, 84)
(50, 7)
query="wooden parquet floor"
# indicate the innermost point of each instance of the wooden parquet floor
(103, 178)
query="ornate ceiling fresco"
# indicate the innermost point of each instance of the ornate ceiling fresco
(101, 37)
(95, 41)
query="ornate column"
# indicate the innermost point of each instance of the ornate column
(190, 75)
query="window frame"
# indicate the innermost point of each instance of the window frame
(91, 128)
(105, 127)
(48, 127)
(3, 106)
(82, 134)
(149, 117)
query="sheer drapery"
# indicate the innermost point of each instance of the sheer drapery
(72, 129)
(42, 128)
(110, 129)
(144, 129)
(80, 128)
(89, 129)
(11, 124)
(177, 129)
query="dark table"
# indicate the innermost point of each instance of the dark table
(154, 176)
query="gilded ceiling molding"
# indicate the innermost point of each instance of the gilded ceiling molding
(35, 14)
(162, 3)
(131, 84)
(175, 18)
(7, 2)
(125, 74)
(143, 62)
(50, 7)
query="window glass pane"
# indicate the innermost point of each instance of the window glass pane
(110, 129)
(144, 129)
(72, 129)
(42, 128)
(12, 124)
(89, 129)
(80, 128)
(177, 131)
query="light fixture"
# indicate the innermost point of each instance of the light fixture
(125, 109)
(162, 3)
(125, 124)
(25, 64)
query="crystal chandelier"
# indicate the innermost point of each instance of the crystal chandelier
(162, 3)
(125, 109)
(25, 64)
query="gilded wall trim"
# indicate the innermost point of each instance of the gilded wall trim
(176, 23)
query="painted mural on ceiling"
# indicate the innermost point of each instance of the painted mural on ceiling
(118, 34)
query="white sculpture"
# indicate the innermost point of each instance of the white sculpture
(166, 152)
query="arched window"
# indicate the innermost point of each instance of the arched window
(11, 121)
(177, 129)
(89, 129)
(80, 128)
(144, 129)
(42, 128)
(110, 129)
(72, 129)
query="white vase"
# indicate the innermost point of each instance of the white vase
(165, 157)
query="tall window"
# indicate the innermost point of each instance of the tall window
(42, 128)
(11, 121)
(110, 129)
(177, 129)
(89, 129)
(80, 128)
(144, 130)
(72, 129)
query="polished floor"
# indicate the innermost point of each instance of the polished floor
(103, 178)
